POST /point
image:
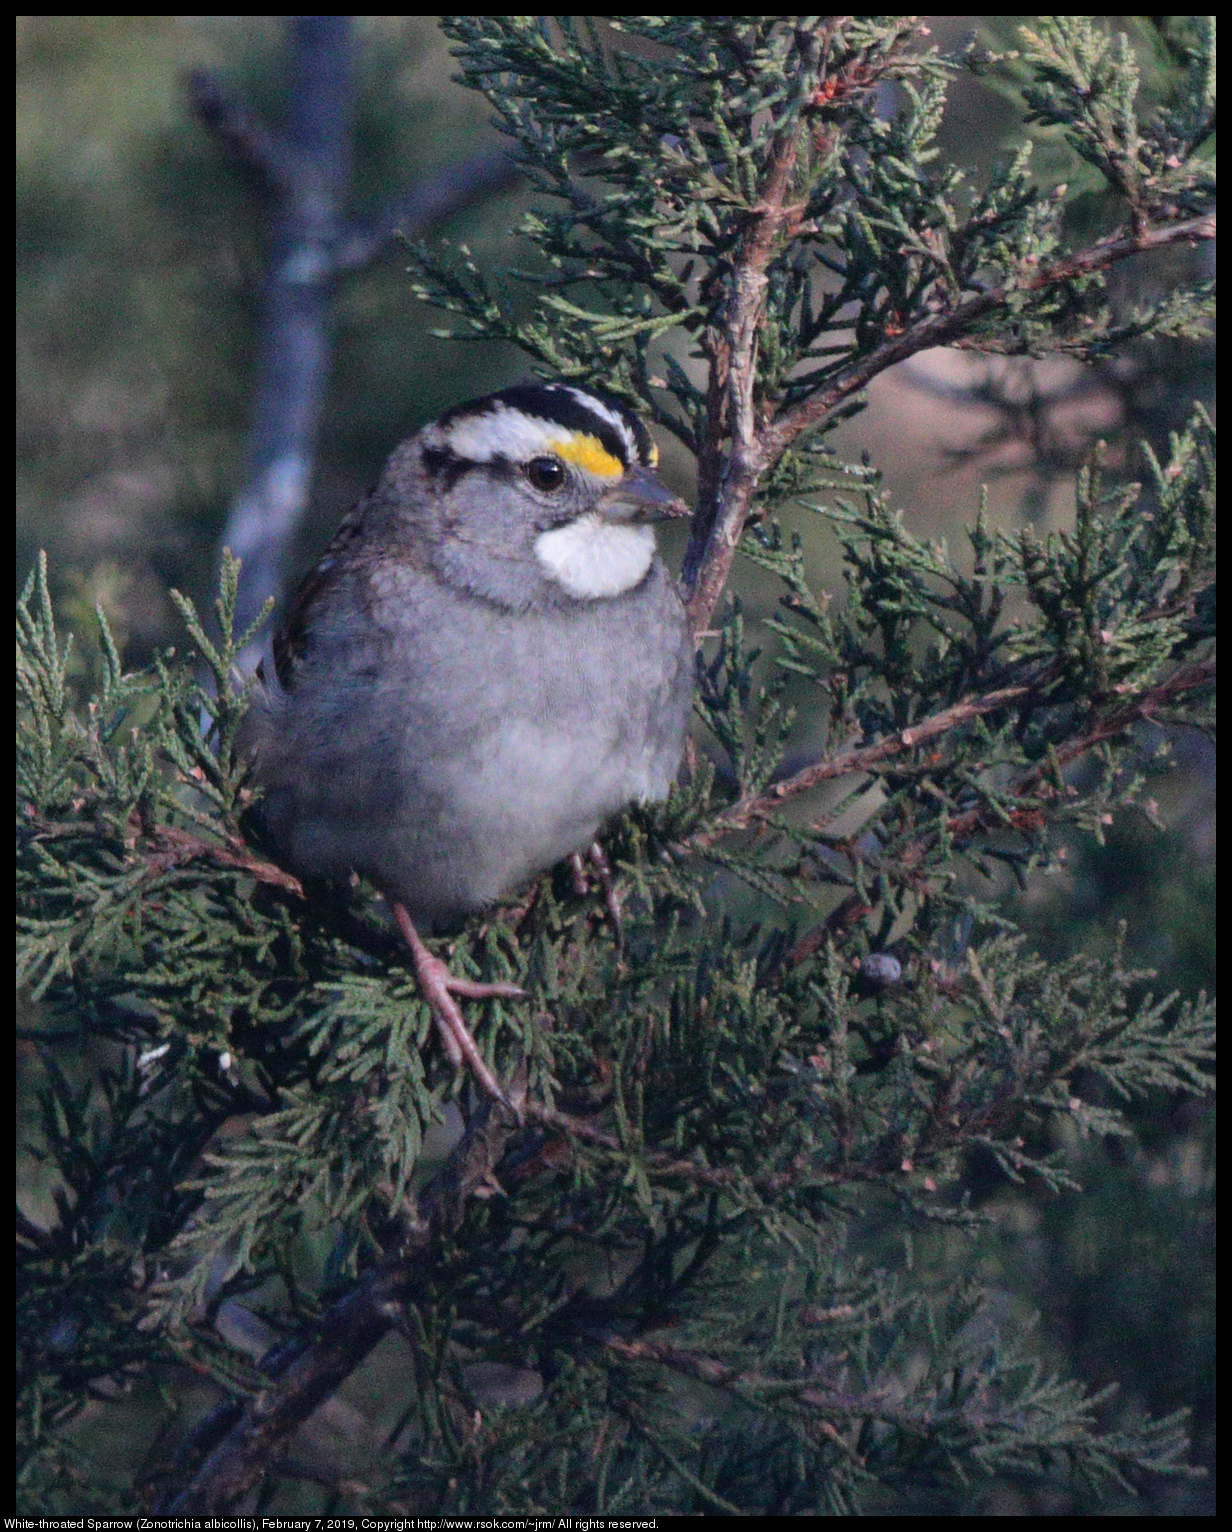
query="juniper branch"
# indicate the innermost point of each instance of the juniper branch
(310, 1366)
(755, 451)
(841, 763)
(963, 827)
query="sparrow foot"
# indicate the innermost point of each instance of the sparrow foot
(611, 894)
(439, 986)
(602, 868)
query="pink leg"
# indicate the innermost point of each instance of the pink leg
(439, 986)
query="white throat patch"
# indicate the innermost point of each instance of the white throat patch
(592, 557)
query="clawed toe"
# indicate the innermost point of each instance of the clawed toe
(611, 895)
(473, 989)
(602, 868)
(439, 986)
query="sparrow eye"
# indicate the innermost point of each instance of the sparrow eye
(545, 473)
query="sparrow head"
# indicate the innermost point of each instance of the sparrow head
(543, 492)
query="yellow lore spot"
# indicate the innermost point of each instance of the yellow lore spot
(589, 454)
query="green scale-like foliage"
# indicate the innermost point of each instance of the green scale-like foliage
(241, 1101)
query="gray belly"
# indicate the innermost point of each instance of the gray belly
(449, 793)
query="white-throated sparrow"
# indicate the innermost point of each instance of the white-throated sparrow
(489, 661)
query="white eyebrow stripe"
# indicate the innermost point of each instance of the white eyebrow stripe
(501, 432)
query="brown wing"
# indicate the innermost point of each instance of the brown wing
(291, 639)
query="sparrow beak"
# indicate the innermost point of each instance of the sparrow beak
(641, 496)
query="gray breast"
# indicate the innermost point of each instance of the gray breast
(479, 746)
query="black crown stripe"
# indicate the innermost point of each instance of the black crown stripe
(560, 406)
